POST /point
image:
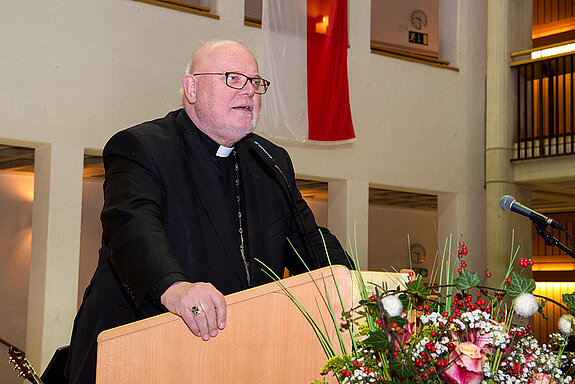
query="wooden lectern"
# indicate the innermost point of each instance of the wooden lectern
(266, 339)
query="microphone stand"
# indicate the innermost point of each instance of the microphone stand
(550, 240)
(272, 164)
(307, 242)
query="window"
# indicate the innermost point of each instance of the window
(253, 13)
(198, 7)
(409, 29)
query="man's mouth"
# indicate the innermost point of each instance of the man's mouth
(243, 108)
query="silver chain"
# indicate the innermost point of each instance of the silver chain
(241, 230)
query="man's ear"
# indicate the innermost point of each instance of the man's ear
(189, 84)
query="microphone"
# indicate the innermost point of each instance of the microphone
(508, 203)
(273, 164)
(265, 155)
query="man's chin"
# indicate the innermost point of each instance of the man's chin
(240, 132)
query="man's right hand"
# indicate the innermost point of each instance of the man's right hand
(182, 296)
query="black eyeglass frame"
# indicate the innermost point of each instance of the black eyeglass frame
(265, 83)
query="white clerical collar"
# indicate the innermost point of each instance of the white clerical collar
(224, 151)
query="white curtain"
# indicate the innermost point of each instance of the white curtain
(282, 57)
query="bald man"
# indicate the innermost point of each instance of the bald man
(190, 200)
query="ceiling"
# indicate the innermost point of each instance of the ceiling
(548, 197)
(16, 158)
(383, 197)
(553, 197)
(20, 159)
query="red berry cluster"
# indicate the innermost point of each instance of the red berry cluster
(522, 331)
(345, 372)
(423, 363)
(524, 262)
(465, 302)
(461, 253)
(427, 309)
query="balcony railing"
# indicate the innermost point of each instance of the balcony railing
(545, 105)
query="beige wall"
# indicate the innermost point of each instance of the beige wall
(390, 229)
(77, 71)
(91, 237)
(16, 195)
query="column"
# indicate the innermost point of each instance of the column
(53, 292)
(508, 30)
(348, 216)
(447, 223)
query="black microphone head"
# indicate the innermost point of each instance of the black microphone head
(261, 151)
(506, 201)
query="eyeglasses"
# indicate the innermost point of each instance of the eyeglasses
(239, 80)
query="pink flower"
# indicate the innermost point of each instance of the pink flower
(541, 378)
(404, 335)
(466, 364)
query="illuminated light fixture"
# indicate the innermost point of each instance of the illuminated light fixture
(543, 267)
(321, 27)
(544, 285)
(550, 51)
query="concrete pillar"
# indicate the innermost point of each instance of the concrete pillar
(348, 216)
(53, 292)
(447, 220)
(508, 30)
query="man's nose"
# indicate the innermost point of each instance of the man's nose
(249, 89)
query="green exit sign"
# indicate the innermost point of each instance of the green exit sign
(418, 38)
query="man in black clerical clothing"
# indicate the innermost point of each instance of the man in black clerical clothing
(189, 202)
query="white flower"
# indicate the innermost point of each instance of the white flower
(392, 305)
(566, 324)
(525, 304)
(434, 318)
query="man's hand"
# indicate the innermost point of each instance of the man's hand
(180, 297)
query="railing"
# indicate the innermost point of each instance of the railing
(545, 106)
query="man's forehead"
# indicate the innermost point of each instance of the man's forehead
(224, 56)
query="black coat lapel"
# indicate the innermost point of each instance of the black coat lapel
(254, 191)
(205, 180)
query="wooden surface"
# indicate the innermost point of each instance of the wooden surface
(266, 340)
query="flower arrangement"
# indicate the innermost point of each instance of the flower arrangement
(456, 332)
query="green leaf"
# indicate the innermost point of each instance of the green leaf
(416, 287)
(402, 369)
(569, 300)
(540, 309)
(371, 306)
(378, 340)
(519, 285)
(466, 280)
(404, 300)
(399, 320)
(437, 306)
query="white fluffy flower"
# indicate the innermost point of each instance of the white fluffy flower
(392, 305)
(525, 304)
(566, 324)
